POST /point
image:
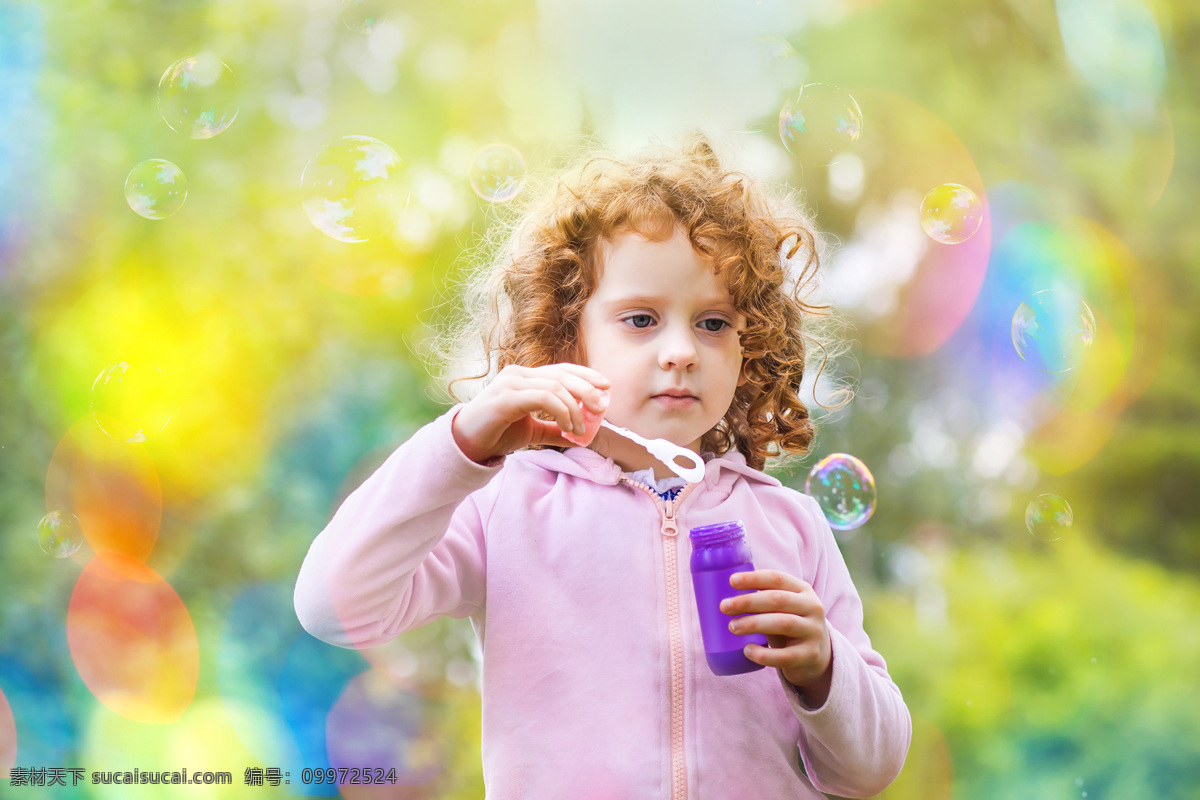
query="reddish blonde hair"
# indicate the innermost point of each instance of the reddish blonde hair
(523, 306)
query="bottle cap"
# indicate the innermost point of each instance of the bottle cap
(716, 534)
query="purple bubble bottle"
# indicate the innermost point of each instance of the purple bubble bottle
(719, 551)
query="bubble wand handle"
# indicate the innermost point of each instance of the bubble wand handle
(666, 452)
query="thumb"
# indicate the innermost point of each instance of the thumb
(547, 433)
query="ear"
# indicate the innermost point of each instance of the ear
(742, 374)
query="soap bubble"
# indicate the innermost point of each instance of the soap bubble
(844, 488)
(59, 534)
(951, 213)
(1052, 330)
(352, 189)
(498, 172)
(362, 16)
(1047, 516)
(818, 122)
(129, 401)
(197, 95)
(155, 188)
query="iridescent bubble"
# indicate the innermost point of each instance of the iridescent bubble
(844, 488)
(130, 402)
(1052, 330)
(197, 95)
(352, 189)
(155, 188)
(362, 16)
(818, 122)
(1047, 516)
(59, 534)
(498, 172)
(951, 213)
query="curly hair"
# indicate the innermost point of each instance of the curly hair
(523, 303)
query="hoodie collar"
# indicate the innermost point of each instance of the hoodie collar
(583, 462)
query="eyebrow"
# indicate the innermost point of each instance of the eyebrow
(715, 302)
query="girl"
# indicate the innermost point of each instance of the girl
(656, 292)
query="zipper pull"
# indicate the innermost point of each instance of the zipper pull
(669, 528)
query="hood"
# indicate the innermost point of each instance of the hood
(720, 472)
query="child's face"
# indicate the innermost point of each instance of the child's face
(660, 320)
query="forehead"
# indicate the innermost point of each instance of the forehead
(630, 264)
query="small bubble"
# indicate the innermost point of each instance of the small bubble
(1047, 516)
(844, 488)
(352, 189)
(1053, 330)
(197, 95)
(818, 122)
(155, 188)
(497, 172)
(951, 213)
(59, 534)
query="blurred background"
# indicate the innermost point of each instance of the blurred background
(215, 311)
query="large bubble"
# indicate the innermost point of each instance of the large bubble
(1053, 330)
(951, 213)
(1047, 516)
(844, 488)
(197, 96)
(818, 122)
(60, 534)
(129, 401)
(352, 189)
(498, 172)
(156, 188)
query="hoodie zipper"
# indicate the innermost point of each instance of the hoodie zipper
(670, 533)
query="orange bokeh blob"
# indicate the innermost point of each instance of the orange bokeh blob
(111, 486)
(132, 640)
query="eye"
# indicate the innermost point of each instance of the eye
(648, 319)
(720, 323)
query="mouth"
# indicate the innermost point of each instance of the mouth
(676, 399)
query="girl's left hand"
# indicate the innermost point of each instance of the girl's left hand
(791, 615)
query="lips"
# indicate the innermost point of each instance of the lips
(679, 394)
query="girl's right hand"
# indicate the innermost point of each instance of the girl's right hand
(500, 420)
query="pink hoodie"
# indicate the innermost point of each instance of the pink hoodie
(576, 580)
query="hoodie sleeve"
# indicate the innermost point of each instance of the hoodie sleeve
(855, 744)
(406, 547)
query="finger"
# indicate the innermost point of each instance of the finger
(765, 600)
(767, 579)
(552, 399)
(802, 657)
(789, 625)
(587, 373)
(576, 421)
(585, 392)
(585, 384)
(770, 656)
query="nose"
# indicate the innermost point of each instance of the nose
(677, 348)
